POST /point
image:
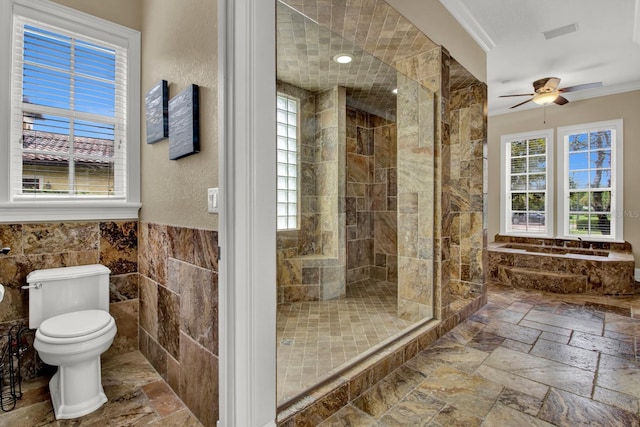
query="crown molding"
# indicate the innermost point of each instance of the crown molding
(469, 23)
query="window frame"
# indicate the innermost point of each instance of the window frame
(71, 208)
(617, 176)
(298, 195)
(38, 180)
(505, 187)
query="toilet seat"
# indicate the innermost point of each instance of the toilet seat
(77, 326)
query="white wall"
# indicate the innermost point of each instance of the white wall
(179, 44)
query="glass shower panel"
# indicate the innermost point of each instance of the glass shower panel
(357, 269)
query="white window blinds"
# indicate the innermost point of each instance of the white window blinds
(68, 114)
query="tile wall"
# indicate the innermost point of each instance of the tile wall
(371, 205)
(468, 153)
(291, 244)
(311, 260)
(179, 312)
(416, 186)
(37, 246)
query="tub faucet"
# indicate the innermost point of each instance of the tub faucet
(4, 251)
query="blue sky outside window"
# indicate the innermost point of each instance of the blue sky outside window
(64, 73)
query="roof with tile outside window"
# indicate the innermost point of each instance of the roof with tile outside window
(43, 146)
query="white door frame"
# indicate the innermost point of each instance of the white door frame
(247, 228)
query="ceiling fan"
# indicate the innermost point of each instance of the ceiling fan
(547, 91)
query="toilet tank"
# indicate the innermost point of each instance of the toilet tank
(67, 289)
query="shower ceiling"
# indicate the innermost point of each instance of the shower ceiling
(305, 51)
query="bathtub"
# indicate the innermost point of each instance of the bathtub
(557, 250)
(562, 266)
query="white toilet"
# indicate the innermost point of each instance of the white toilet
(70, 308)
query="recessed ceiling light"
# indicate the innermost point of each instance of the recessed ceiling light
(343, 58)
(395, 91)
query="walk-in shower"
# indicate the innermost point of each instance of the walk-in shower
(356, 199)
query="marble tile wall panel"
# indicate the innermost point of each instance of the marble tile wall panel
(119, 246)
(149, 306)
(169, 321)
(307, 239)
(179, 316)
(415, 186)
(125, 313)
(154, 245)
(199, 387)
(37, 246)
(371, 166)
(328, 105)
(466, 190)
(199, 306)
(43, 238)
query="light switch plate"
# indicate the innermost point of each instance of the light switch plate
(212, 197)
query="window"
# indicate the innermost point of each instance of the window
(526, 193)
(31, 183)
(72, 114)
(591, 173)
(287, 158)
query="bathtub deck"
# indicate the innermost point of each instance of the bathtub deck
(600, 269)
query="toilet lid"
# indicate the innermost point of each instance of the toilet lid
(75, 324)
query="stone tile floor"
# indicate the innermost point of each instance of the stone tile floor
(137, 397)
(315, 338)
(528, 358)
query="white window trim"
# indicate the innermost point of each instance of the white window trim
(617, 207)
(505, 182)
(72, 209)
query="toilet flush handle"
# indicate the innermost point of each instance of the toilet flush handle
(36, 285)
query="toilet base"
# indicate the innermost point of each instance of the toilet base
(76, 390)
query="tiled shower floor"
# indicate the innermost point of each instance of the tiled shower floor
(315, 338)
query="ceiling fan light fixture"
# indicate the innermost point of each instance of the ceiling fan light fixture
(545, 97)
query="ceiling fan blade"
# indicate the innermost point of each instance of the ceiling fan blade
(517, 105)
(546, 84)
(561, 100)
(551, 84)
(581, 87)
(519, 94)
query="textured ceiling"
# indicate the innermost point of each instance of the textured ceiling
(305, 50)
(601, 50)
